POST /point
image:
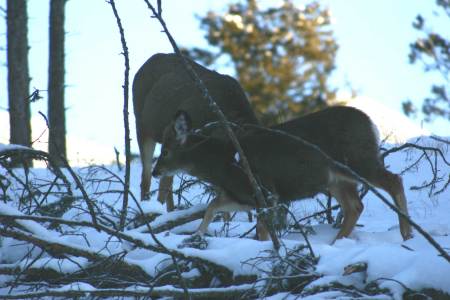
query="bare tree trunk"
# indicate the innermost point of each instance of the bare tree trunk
(56, 109)
(18, 76)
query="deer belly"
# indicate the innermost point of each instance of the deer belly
(291, 188)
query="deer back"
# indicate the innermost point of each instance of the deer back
(346, 134)
(162, 86)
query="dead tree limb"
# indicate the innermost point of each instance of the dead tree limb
(175, 218)
(60, 250)
(231, 292)
(7, 219)
(125, 116)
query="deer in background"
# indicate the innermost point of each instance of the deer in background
(161, 87)
(285, 168)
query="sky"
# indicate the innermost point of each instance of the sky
(373, 38)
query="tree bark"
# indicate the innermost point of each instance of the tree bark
(56, 108)
(18, 75)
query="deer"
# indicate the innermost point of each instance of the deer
(161, 87)
(285, 168)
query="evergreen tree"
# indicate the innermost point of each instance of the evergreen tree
(283, 56)
(432, 50)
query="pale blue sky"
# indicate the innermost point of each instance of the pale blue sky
(373, 35)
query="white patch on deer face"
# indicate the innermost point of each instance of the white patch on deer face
(181, 128)
(237, 157)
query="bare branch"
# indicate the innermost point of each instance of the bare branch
(125, 116)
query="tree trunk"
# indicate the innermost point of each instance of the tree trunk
(18, 76)
(56, 109)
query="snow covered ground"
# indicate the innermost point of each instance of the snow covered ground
(392, 263)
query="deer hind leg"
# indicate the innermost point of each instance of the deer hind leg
(347, 196)
(165, 192)
(393, 185)
(146, 147)
(219, 204)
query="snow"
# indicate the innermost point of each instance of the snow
(376, 241)
(167, 217)
(31, 226)
(9, 147)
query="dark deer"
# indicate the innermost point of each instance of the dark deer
(160, 88)
(285, 167)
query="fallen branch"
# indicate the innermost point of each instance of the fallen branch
(231, 292)
(221, 269)
(174, 218)
(60, 250)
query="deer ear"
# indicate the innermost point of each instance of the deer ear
(182, 125)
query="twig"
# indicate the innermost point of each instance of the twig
(334, 207)
(305, 236)
(119, 167)
(423, 148)
(123, 215)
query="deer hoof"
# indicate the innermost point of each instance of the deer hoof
(145, 197)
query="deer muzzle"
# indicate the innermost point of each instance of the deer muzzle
(156, 173)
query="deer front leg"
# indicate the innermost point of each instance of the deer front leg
(146, 147)
(222, 203)
(165, 194)
(347, 196)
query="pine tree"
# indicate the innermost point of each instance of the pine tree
(432, 50)
(283, 56)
